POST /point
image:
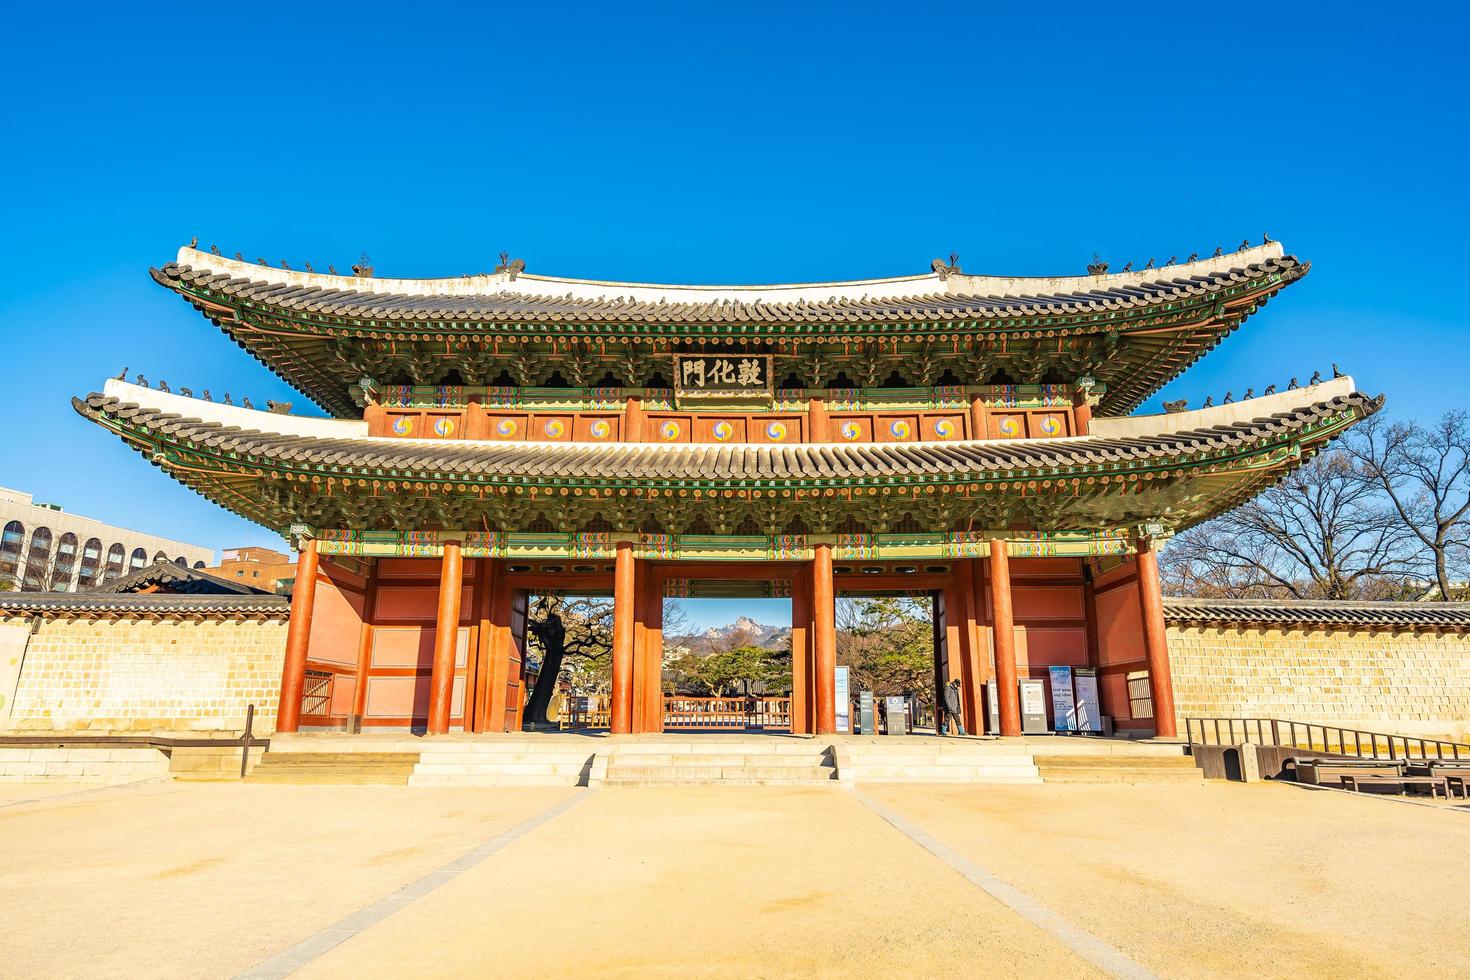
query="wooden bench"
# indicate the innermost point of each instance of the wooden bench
(1328, 772)
(1455, 772)
(1356, 781)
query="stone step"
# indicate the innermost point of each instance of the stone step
(1136, 762)
(1122, 776)
(859, 772)
(1073, 746)
(503, 758)
(274, 758)
(435, 778)
(808, 773)
(887, 759)
(773, 746)
(519, 748)
(355, 768)
(617, 757)
(623, 782)
(328, 779)
(939, 747)
(475, 768)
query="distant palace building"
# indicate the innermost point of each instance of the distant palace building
(45, 549)
(964, 437)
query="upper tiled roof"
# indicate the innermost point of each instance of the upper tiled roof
(531, 299)
(1317, 612)
(1131, 332)
(151, 605)
(634, 462)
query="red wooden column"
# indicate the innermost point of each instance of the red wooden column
(1155, 642)
(969, 646)
(824, 640)
(446, 638)
(801, 655)
(365, 643)
(621, 721)
(653, 648)
(293, 671)
(640, 651)
(1003, 625)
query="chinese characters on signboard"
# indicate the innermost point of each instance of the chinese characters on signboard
(696, 374)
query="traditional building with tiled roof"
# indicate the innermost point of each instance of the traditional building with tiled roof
(498, 435)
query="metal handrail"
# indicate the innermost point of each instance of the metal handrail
(1283, 733)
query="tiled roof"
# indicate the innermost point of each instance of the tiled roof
(151, 605)
(1169, 284)
(1317, 612)
(646, 461)
(176, 580)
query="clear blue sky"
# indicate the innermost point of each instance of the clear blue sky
(710, 143)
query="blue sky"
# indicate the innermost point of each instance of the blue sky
(707, 143)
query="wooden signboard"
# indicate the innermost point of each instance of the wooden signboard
(723, 377)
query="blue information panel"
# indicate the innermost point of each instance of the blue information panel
(1063, 702)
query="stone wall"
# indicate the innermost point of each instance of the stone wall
(137, 674)
(1402, 681)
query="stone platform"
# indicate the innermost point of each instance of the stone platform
(677, 759)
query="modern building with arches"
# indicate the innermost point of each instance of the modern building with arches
(46, 549)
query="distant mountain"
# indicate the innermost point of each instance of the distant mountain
(744, 631)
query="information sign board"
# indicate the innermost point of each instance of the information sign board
(1063, 704)
(843, 706)
(897, 716)
(1033, 706)
(1089, 709)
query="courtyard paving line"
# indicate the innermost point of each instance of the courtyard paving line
(287, 962)
(1080, 941)
(86, 791)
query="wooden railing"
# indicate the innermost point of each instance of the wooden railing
(683, 714)
(1311, 737)
(587, 711)
(727, 714)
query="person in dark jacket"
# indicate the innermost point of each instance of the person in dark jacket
(952, 715)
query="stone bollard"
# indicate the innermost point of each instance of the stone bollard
(1250, 763)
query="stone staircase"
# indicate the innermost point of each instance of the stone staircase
(534, 761)
(934, 760)
(338, 768)
(1118, 768)
(710, 760)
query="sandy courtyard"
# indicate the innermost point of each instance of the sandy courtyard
(1222, 879)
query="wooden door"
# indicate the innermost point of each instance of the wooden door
(515, 684)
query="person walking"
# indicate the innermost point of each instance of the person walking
(952, 714)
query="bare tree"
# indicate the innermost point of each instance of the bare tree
(1424, 472)
(1322, 532)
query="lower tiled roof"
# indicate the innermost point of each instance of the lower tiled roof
(648, 461)
(1317, 612)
